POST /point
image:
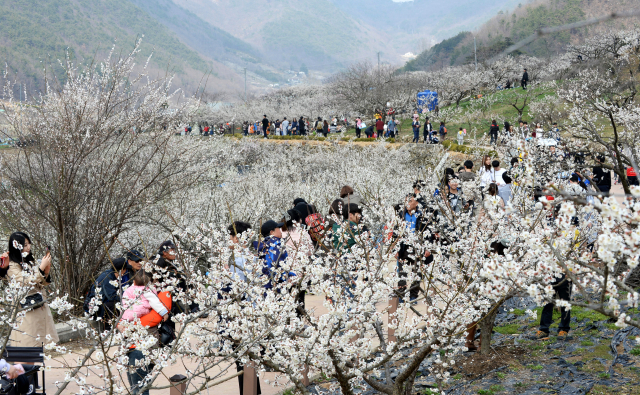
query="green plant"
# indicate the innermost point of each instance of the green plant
(604, 375)
(536, 367)
(509, 329)
(288, 392)
(457, 376)
(520, 385)
(429, 391)
(496, 388)
(501, 375)
(635, 351)
(586, 343)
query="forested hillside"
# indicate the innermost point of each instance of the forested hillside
(199, 34)
(34, 34)
(507, 28)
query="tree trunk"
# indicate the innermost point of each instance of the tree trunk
(486, 328)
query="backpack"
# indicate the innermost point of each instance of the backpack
(445, 130)
(318, 125)
(315, 223)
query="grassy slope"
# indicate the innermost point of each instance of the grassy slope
(33, 30)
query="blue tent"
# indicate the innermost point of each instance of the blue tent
(428, 99)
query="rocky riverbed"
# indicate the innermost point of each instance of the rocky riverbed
(597, 358)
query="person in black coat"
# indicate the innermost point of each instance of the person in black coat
(602, 176)
(302, 127)
(173, 275)
(525, 79)
(265, 125)
(108, 282)
(493, 131)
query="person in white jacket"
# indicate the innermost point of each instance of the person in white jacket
(495, 176)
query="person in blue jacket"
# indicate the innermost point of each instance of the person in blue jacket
(272, 254)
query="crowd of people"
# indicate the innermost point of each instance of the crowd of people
(126, 292)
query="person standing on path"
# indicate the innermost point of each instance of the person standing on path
(428, 131)
(380, 127)
(302, 126)
(285, 127)
(562, 288)
(443, 132)
(461, 134)
(265, 126)
(416, 131)
(493, 131)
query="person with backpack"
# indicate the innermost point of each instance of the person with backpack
(313, 221)
(442, 132)
(318, 126)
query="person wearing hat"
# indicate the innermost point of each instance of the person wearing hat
(134, 263)
(351, 215)
(109, 282)
(165, 260)
(271, 253)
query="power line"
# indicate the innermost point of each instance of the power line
(549, 30)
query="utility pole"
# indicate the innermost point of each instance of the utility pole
(475, 52)
(245, 84)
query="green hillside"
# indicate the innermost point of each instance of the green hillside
(32, 31)
(505, 29)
